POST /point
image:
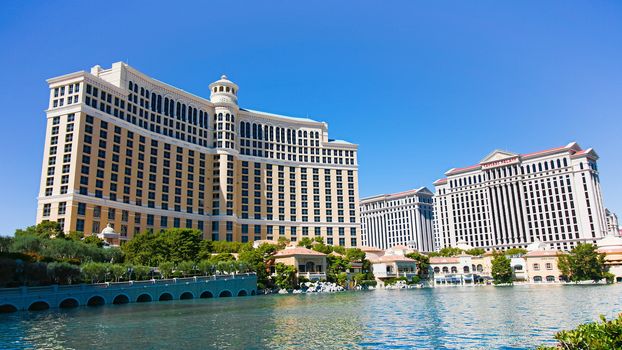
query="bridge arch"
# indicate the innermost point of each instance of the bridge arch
(144, 298)
(121, 299)
(68, 303)
(206, 294)
(96, 300)
(39, 306)
(165, 297)
(225, 294)
(6, 308)
(186, 295)
(242, 293)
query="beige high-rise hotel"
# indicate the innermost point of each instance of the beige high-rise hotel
(124, 149)
(511, 200)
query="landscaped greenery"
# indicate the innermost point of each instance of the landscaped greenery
(501, 269)
(583, 263)
(43, 254)
(604, 335)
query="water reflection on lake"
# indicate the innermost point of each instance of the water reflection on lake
(519, 317)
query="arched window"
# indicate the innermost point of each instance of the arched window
(254, 131)
(131, 85)
(539, 166)
(159, 108)
(537, 279)
(559, 163)
(178, 110)
(166, 106)
(445, 269)
(465, 269)
(142, 91)
(437, 270)
(480, 268)
(248, 130)
(550, 278)
(454, 269)
(260, 131)
(565, 162)
(242, 130)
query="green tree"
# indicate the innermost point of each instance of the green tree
(305, 242)
(583, 263)
(166, 269)
(355, 255)
(221, 257)
(63, 273)
(117, 271)
(423, 263)
(501, 269)
(285, 276)
(604, 335)
(94, 240)
(450, 251)
(476, 251)
(5, 244)
(206, 267)
(43, 230)
(75, 235)
(516, 251)
(186, 268)
(95, 272)
(141, 272)
(26, 243)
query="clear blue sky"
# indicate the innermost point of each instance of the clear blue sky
(421, 87)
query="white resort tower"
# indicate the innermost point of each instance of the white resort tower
(511, 200)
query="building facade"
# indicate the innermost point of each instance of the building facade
(511, 200)
(613, 226)
(404, 218)
(127, 150)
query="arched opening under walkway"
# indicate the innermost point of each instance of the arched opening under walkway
(207, 294)
(6, 308)
(120, 299)
(96, 301)
(224, 294)
(38, 306)
(144, 298)
(186, 295)
(242, 293)
(166, 297)
(68, 303)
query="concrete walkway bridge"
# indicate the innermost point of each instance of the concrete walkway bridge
(68, 296)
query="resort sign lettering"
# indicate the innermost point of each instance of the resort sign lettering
(501, 162)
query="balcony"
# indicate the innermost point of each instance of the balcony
(312, 276)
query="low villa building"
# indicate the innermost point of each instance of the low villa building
(611, 246)
(391, 263)
(542, 266)
(461, 269)
(309, 263)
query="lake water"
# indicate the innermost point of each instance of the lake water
(519, 317)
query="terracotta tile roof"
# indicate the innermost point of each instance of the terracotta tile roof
(297, 251)
(443, 260)
(539, 253)
(391, 258)
(370, 249)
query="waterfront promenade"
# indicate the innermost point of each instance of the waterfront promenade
(68, 296)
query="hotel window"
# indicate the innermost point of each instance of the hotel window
(62, 208)
(536, 267)
(46, 209)
(549, 266)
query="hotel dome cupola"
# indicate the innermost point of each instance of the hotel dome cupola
(223, 91)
